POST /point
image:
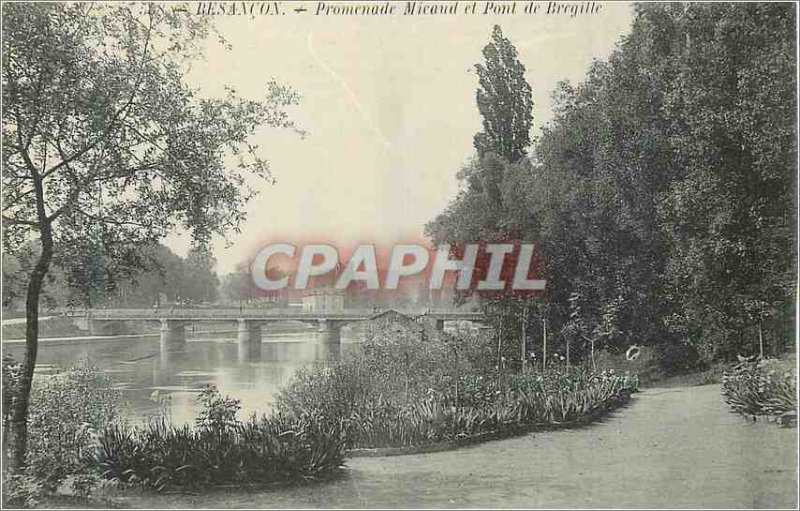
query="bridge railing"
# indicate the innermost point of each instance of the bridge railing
(156, 313)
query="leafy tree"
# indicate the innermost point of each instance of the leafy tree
(202, 284)
(660, 203)
(14, 278)
(16, 269)
(661, 194)
(504, 100)
(103, 141)
(163, 277)
(490, 204)
(729, 214)
(238, 286)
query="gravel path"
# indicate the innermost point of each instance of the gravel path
(671, 448)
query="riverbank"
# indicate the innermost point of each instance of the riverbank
(49, 326)
(59, 328)
(675, 448)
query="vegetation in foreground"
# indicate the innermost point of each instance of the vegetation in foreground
(67, 411)
(765, 388)
(410, 386)
(219, 449)
(80, 443)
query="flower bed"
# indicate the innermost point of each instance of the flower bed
(488, 406)
(219, 449)
(762, 389)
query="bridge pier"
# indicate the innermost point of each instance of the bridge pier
(329, 331)
(329, 339)
(173, 333)
(248, 340)
(173, 341)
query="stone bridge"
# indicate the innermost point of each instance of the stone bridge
(250, 322)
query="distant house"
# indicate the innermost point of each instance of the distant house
(394, 327)
(391, 318)
(323, 300)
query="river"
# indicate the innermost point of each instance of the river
(139, 367)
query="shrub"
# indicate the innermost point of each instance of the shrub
(385, 405)
(78, 441)
(762, 389)
(22, 490)
(67, 409)
(12, 370)
(220, 449)
(330, 391)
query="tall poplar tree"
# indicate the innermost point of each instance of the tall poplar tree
(504, 100)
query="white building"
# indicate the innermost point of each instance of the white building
(323, 300)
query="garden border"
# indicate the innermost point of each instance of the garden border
(376, 452)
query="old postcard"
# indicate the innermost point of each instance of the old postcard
(399, 254)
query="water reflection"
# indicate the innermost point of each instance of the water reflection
(326, 350)
(248, 352)
(253, 372)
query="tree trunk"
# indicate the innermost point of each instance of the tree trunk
(19, 419)
(524, 340)
(544, 344)
(457, 374)
(500, 344)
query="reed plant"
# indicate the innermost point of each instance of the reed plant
(219, 449)
(490, 404)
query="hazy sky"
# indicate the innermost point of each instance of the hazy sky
(389, 105)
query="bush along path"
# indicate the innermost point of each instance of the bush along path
(434, 425)
(408, 390)
(488, 427)
(765, 388)
(674, 448)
